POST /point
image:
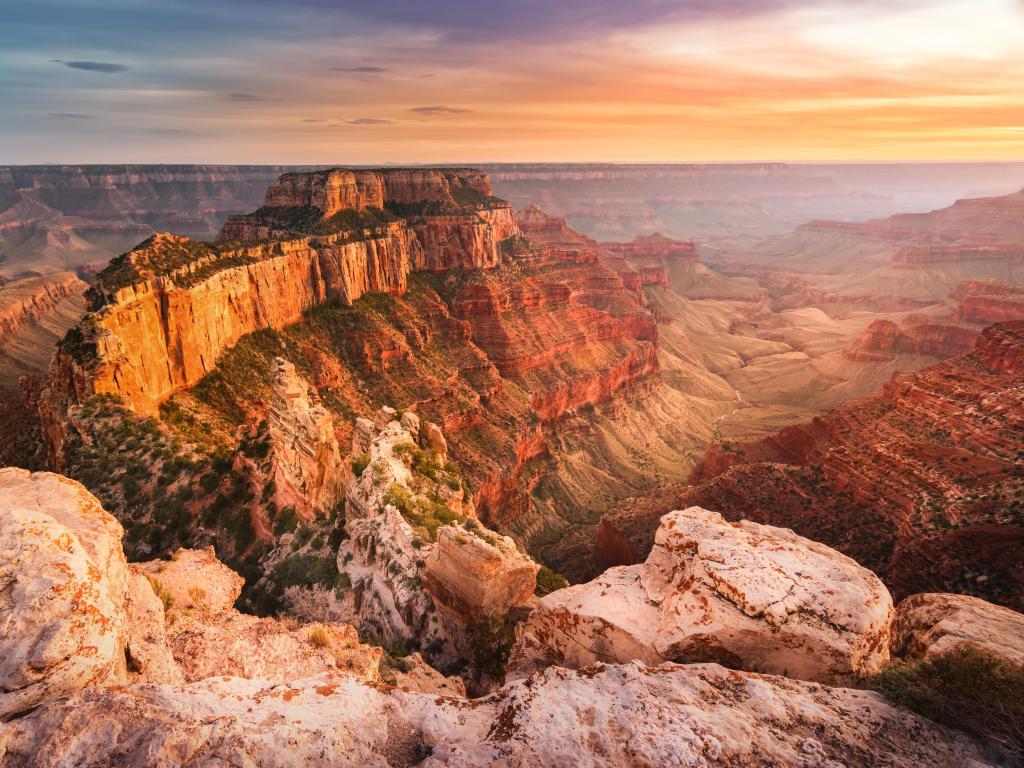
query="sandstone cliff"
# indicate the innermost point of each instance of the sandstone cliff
(163, 314)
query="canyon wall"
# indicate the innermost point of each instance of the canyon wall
(923, 482)
(55, 218)
(33, 299)
(163, 313)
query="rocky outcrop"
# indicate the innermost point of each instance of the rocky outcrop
(70, 615)
(303, 460)
(478, 577)
(164, 313)
(610, 717)
(742, 594)
(883, 338)
(423, 570)
(194, 579)
(931, 624)
(338, 189)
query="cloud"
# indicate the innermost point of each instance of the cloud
(369, 121)
(314, 120)
(69, 116)
(176, 132)
(93, 66)
(439, 110)
(243, 96)
(503, 20)
(364, 70)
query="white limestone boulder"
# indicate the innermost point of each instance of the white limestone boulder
(933, 623)
(63, 582)
(749, 596)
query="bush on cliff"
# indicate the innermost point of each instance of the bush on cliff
(964, 688)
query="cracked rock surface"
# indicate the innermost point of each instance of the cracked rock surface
(745, 595)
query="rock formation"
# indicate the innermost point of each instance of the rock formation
(538, 341)
(34, 314)
(930, 624)
(71, 614)
(610, 716)
(208, 637)
(105, 688)
(884, 337)
(302, 460)
(423, 570)
(164, 313)
(745, 595)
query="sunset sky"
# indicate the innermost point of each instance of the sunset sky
(315, 81)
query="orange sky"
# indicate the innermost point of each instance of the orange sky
(803, 81)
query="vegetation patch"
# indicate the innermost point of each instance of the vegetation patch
(422, 512)
(965, 688)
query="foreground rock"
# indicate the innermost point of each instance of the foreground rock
(70, 615)
(932, 624)
(208, 637)
(746, 595)
(696, 715)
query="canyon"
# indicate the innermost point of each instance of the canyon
(391, 472)
(922, 482)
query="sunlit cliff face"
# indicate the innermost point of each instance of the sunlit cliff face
(320, 81)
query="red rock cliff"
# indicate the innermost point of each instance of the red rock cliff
(165, 312)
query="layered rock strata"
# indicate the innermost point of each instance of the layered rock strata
(164, 313)
(303, 460)
(423, 570)
(745, 595)
(921, 483)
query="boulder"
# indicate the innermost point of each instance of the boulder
(616, 716)
(148, 652)
(933, 623)
(433, 439)
(238, 645)
(63, 582)
(478, 574)
(194, 579)
(745, 595)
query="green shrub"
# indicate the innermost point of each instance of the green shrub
(548, 581)
(360, 463)
(965, 688)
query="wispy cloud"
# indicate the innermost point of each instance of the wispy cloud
(440, 110)
(369, 121)
(363, 70)
(69, 116)
(243, 96)
(106, 67)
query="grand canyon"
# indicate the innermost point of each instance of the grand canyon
(322, 443)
